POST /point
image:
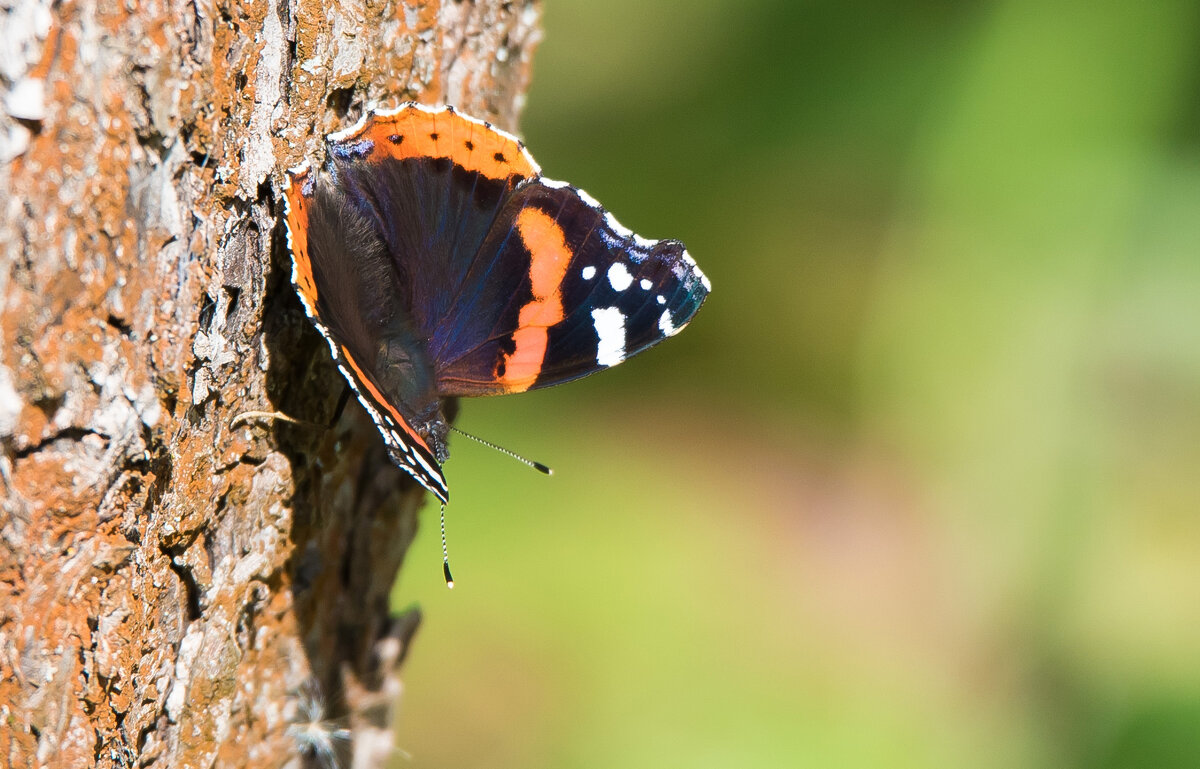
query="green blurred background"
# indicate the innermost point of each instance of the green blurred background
(920, 486)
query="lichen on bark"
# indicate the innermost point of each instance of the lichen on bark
(175, 589)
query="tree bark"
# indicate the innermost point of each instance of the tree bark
(177, 589)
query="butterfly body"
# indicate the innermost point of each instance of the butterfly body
(438, 263)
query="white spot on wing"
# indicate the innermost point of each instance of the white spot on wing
(660, 299)
(424, 464)
(619, 277)
(665, 325)
(588, 272)
(687, 258)
(645, 284)
(610, 331)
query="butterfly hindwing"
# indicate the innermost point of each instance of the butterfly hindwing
(348, 286)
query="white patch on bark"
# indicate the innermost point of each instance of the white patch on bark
(259, 153)
(10, 403)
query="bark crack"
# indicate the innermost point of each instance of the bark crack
(72, 433)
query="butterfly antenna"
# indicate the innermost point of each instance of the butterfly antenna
(446, 553)
(535, 465)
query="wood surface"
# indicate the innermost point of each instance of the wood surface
(176, 589)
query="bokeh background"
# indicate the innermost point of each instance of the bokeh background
(920, 486)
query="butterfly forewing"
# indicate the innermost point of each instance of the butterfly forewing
(573, 293)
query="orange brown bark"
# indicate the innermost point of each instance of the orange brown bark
(173, 588)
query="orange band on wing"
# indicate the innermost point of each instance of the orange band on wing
(413, 132)
(374, 391)
(548, 260)
(297, 225)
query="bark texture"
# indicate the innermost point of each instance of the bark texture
(176, 589)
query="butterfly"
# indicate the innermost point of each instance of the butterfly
(438, 263)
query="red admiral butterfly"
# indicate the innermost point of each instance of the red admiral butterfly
(438, 262)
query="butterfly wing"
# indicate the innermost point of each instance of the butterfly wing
(380, 241)
(438, 263)
(559, 290)
(342, 271)
(432, 181)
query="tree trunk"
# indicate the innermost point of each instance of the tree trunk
(177, 588)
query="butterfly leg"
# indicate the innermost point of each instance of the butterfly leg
(343, 399)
